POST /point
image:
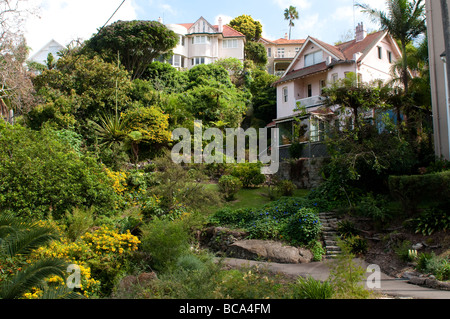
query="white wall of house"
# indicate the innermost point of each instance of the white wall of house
(375, 67)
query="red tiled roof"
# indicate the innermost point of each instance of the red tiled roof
(351, 47)
(294, 74)
(228, 32)
(285, 41)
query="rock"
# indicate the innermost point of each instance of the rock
(417, 281)
(417, 246)
(218, 239)
(270, 251)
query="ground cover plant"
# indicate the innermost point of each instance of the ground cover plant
(291, 219)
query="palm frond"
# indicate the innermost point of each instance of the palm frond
(32, 276)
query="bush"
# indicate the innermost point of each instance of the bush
(413, 190)
(249, 174)
(438, 266)
(303, 227)
(41, 176)
(357, 245)
(311, 288)
(229, 186)
(165, 241)
(285, 188)
(430, 221)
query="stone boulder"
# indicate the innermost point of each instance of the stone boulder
(269, 251)
(218, 239)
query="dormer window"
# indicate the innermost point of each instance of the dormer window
(313, 58)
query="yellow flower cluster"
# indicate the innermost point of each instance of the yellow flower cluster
(119, 181)
(106, 240)
(35, 293)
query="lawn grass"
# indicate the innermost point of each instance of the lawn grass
(254, 197)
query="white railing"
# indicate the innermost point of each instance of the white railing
(310, 101)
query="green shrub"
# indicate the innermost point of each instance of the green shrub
(303, 227)
(438, 266)
(286, 188)
(430, 221)
(402, 250)
(249, 174)
(346, 229)
(229, 186)
(413, 190)
(357, 244)
(317, 250)
(42, 176)
(311, 288)
(190, 262)
(375, 208)
(166, 241)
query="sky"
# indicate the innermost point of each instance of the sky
(67, 20)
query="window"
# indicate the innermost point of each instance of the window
(309, 90)
(281, 52)
(322, 86)
(334, 77)
(200, 39)
(285, 94)
(230, 44)
(175, 61)
(197, 61)
(380, 52)
(181, 40)
(286, 132)
(269, 52)
(297, 49)
(313, 58)
(389, 56)
(316, 130)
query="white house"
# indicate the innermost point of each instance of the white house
(318, 64)
(41, 55)
(203, 43)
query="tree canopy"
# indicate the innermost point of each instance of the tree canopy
(248, 26)
(136, 42)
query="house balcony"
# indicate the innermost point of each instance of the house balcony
(311, 101)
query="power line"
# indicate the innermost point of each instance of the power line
(111, 16)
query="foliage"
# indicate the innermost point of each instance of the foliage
(291, 14)
(346, 276)
(205, 74)
(405, 21)
(138, 43)
(166, 241)
(164, 77)
(246, 25)
(347, 229)
(310, 288)
(249, 174)
(229, 186)
(19, 239)
(41, 176)
(402, 250)
(412, 190)
(290, 219)
(286, 188)
(264, 96)
(430, 221)
(101, 255)
(357, 244)
(374, 207)
(77, 90)
(256, 52)
(317, 250)
(178, 191)
(436, 265)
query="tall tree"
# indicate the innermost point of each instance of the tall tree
(249, 27)
(291, 14)
(405, 21)
(137, 42)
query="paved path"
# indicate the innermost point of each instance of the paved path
(320, 271)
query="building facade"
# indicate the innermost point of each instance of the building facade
(280, 53)
(317, 65)
(439, 80)
(203, 43)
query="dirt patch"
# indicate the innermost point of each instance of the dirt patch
(382, 244)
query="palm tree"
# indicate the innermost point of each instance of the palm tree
(405, 21)
(291, 14)
(21, 238)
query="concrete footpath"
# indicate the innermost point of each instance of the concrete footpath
(390, 286)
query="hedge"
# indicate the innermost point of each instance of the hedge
(413, 190)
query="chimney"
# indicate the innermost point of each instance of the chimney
(160, 20)
(286, 36)
(360, 32)
(220, 25)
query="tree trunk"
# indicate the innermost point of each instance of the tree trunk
(446, 26)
